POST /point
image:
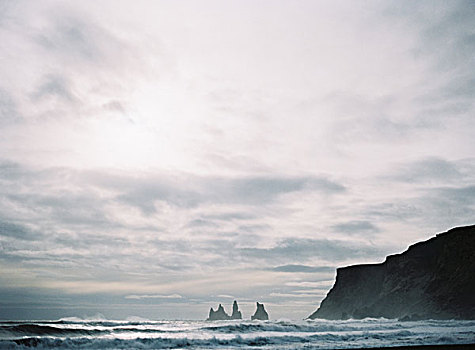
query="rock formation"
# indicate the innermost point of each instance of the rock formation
(236, 315)
(434, 279)
(217, 315)
(261, 313)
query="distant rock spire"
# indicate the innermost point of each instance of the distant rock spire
(219, 314)
(236, 315)
(261, 313)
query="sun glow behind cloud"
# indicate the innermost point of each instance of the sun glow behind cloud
(121, 143)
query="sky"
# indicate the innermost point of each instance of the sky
(160, 157)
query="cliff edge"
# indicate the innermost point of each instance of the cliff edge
(434, 279)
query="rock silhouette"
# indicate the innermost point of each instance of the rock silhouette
(236, 315)
(261, 313)
(434, 279)
(219, 314)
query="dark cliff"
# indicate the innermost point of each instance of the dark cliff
(434, 279)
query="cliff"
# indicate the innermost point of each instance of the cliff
(434, 279)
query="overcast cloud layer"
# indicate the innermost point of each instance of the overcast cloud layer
(160, 157)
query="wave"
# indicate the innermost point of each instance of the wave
(152, 343)
(143, 343)
(66, 328)
(282, 334)
(108, 323)
(97, 318)
(42, 330)
(287, 342)
(288, 326)
(22, 330)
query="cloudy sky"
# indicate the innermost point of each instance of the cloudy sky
(160, 157)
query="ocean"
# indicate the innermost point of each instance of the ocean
(72, 333)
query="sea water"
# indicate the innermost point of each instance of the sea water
(72, 333)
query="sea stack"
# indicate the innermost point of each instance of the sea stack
(434, 279)
(236, 315)
(218, 315)
(261, 313)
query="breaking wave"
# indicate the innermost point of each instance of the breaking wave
(288, 326)
(42, 330)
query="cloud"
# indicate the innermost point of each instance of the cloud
(125, 243)
(326, 284)
(77, 38)
(454, 45)
(355, 227)
(302, 250)
(225, 296)
(302, 268)
(429, 169)
(464, 195)
(296, 295)
(453, 91)
(230, 216)
(153, 296)
(412, 111)
(446, 206)
(54, 86)
(191, 191)
(11, 170)
(73, 37)
(16, 231)
(8, 109)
